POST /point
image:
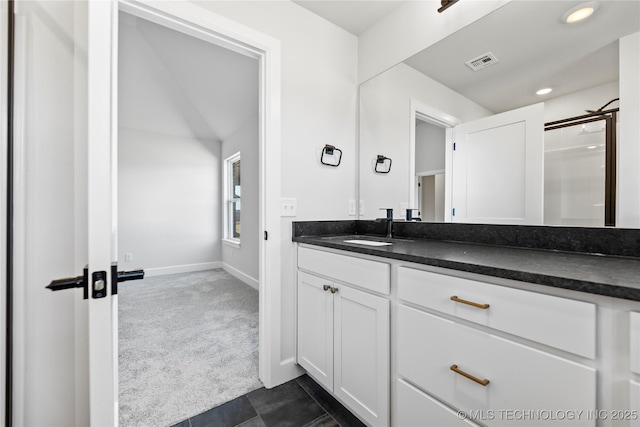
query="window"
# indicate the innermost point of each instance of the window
(232, 200)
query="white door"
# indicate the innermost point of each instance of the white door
(65, 370)
(497, 172)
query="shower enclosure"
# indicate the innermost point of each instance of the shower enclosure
(580, 170)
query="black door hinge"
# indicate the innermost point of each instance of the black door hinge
(266, 235)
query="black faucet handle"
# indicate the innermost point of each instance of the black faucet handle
(410, 214)
(389, 212)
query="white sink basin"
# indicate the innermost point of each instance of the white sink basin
(368, 242)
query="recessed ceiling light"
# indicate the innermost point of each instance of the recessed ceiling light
(544, 91)
(580, 12)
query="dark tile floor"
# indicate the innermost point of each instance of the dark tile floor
(298, 403)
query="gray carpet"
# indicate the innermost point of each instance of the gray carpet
(187, 343)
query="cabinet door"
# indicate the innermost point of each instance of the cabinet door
(634, 342)
(315, 328)
(362, 353)
(634, 404)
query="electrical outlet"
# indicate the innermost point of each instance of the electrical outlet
(352, 207)
(361, 208)
(128, 257)
(288, 207)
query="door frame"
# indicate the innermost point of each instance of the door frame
(427, 113)
(5, 252)
(204, 24)
(208, 26)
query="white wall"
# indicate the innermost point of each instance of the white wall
(319, 95)
(243, 262)
(574, 104)
(412, 27)
(179, 96)
(629, 139)
(169, 202)
(385, 127)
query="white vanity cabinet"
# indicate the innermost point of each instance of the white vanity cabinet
(343, 329)
(634, 342)
(406, 345)
(634, 366)
(493, 378)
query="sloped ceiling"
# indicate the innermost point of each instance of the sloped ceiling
(354, 16)
(176, 84)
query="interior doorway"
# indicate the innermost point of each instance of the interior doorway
(185, 104)
(430, 143)
(72, 114)
(431, 197)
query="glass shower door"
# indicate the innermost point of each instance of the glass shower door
(575, 172)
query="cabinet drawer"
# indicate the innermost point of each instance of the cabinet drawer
(416, 408)
(364, 273)
(519, 377)
(558, 322)
(634, 337)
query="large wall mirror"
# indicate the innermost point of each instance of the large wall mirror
(465, 129)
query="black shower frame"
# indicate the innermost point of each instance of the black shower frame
(8, 403)
(610, 117)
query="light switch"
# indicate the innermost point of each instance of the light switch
(361, 208)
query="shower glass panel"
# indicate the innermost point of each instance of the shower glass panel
(574, 175)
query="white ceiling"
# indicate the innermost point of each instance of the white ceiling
(172, 83)
(354, 16)
(534, 48)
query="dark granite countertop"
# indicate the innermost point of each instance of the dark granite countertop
(597, 273)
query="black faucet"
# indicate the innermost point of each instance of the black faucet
(389, 220)
(410, 216)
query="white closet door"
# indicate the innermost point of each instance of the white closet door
(497, 173)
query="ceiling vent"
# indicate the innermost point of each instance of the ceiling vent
(483, 61)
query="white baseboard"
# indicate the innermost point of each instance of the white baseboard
(285, 371)
(255, 284)
(187, 268)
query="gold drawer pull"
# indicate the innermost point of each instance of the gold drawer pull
(471, 303)
(483, 382)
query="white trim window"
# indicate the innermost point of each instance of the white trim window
(232, 192)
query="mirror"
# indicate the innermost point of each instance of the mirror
(408, 113)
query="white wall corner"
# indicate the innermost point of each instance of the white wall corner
(245, 278)
(628, 210)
